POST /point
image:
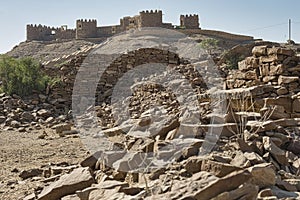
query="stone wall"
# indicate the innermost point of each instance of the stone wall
(61, 93)
(276, 72)
(47, 33)
(84, 29)
(267, 65)
(64, 34)
(38, 32)
(218, 34)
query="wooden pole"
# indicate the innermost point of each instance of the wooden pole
(290, 29)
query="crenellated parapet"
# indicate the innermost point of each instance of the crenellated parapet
(151, 12)
(87, 20)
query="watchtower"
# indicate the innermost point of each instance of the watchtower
(151, 18)
(86, 28)
(189, 21)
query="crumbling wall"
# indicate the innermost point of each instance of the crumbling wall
(47, 33)
(267, 65)
(276, 71)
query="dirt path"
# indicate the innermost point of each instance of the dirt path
(24, 151)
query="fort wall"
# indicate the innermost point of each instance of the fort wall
(218, 34)
(87, 29)
(47, 33)
(38, 32)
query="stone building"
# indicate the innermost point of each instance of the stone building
(88, 29)
(189, 21)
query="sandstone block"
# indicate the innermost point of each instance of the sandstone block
(259, 51)
(79, 179)
(227, 183)
(275, 151)
(263, 175)
(217, 168)
(287, 79)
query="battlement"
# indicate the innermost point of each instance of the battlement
(151, 12)
(87, 20)
(47, 27)
(189, 16)
(39, 26)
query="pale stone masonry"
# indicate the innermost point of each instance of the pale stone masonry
(88, 28)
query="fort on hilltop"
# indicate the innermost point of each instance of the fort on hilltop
(89, 30)
(86, 29)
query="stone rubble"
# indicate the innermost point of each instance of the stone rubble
(256, 156)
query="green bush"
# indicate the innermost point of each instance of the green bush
(232, 61)
(209, 44)
(21, 76)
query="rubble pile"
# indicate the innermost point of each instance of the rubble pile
(26, 115)
(169, 147)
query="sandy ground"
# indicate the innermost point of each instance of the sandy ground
(23, 151)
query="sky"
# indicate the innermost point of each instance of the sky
(263, 19)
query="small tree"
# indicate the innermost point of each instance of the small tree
(209, 44)
(232, 60)
(21, 76)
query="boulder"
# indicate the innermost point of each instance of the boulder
(44, 113)
(246, 191)
(91, 160)
(217, 168)
(2, 119)
(27, 116)
(30, 173)
(193, 165)
(277, 69)
(287, 79)
(68, 184)
(227, 183)
(263, 175)
(259, 51)
(275, 151)
(59, 128)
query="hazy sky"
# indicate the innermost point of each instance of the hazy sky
(266, 19)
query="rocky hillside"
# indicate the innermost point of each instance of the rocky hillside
(48, 51)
